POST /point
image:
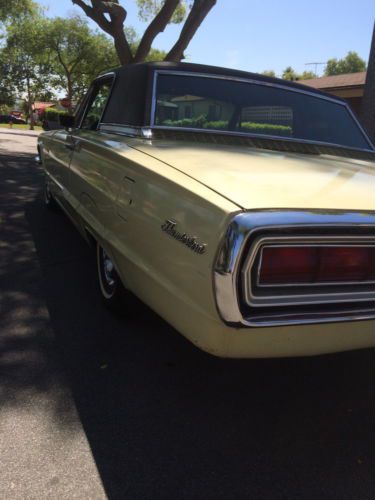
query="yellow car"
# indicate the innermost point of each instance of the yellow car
(239, 207)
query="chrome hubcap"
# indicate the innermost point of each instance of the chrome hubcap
(109, 270)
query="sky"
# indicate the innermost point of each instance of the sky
(258, 35)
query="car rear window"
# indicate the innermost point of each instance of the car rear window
(221, 104)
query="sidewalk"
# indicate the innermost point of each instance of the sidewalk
(18, 131)
(18, 141)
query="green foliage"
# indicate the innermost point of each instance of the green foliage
(76, 54)
(14, 9)
(52, 114)
(266, 128)
(290, 74)
(155, 55)
(269, 72)
(198, 122)
(25, 68)
(5, 109)
(148, 9)
(351, 63)
(307, 75)
(255, 128)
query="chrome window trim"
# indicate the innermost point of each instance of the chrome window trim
(89, 95)
(127, 130)
(242, 227)
(252, 299)
(255, 82)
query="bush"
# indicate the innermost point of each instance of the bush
(251, 127)
(266, 128)
(52, 114)
(217, 125)
(186, 122)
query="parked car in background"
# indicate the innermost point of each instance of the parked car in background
(12, 118)
(239, 207)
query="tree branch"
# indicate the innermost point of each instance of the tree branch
(157, 26)
(114, 27)
(195, 18)
(96, 15)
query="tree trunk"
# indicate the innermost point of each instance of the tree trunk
(30, 104)
(122, 46)
(70, 93)
(368, 101)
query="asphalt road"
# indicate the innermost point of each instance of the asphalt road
(94, 406)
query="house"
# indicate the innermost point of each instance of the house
(41, 106)
(349, 86)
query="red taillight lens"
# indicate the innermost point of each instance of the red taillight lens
(309, 265)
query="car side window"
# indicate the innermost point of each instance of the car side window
(96, 106)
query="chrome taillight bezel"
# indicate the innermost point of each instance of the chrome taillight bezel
(247, 229)
(302, 294)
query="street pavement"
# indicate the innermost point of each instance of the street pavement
(97, 406)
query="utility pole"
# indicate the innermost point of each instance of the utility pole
(316, 64)
(368, 101)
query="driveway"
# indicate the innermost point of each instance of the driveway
(97, 406)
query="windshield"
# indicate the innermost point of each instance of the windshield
(209, 103)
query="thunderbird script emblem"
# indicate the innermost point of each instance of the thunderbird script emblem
(191, 242)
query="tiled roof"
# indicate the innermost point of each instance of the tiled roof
(43, 105)
(337, 81)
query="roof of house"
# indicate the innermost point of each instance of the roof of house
(337, 81)
(43, 105)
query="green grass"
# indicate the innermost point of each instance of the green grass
(21, 127)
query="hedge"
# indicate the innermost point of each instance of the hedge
(256, 128)
(52, 114)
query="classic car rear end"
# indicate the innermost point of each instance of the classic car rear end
(239, 207)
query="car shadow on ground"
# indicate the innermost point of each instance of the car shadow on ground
(165, 420)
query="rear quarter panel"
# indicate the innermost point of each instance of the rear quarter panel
(134, 195)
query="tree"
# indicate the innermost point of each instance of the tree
(352, 63)
(76, 54)
(289, 74)
(368, 101)
(110, 16)
(25, 67)
(269, 72)
(12, 9)
(307, 75)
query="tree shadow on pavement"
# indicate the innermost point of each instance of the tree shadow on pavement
(165, 420)
(28, 357)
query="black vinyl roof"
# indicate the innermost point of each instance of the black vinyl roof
(218, 70)
(131, 95)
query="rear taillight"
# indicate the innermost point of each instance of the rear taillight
(287, 265)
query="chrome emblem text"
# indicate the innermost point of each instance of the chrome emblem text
(191, 242)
